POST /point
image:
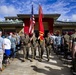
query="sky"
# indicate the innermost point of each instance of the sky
(67, 8)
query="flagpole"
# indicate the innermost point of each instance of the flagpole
(32, 21)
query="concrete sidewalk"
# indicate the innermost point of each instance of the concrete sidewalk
(53, 67)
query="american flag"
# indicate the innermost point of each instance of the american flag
(32, 22)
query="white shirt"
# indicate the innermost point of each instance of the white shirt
(7, 43)
(53, 37)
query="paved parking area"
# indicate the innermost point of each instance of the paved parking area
(53, 67)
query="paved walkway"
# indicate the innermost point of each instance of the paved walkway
(53, 67)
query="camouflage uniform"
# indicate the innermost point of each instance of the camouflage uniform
(66, 44)
(73, 37)
(33, 46)
(22, 38)
(66, 38)
(41, 48)
(48, 46)
(27, 45)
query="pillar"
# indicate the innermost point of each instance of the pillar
(26, 26)
(50, 25)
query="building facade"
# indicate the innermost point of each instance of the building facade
(21, 21)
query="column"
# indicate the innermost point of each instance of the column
(50, 25)
(26, 26)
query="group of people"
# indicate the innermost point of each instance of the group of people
(8, 44)
(66, 45)
(32, 42)
(56, 42)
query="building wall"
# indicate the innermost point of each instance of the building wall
(45, 26)
(62, 29)
(59, 28)
(8, 29)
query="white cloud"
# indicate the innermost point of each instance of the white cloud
(58, 7)
(74, 17)
(8, 10)
(2, 1)
(1, 19)
(24, 7)
(64, 18)
(68, 18)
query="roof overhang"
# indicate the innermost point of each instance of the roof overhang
(5, 25)
(24, 16)
(60, 23)
(11, 17)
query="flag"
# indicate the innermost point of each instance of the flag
(41, 28)
(32, 22)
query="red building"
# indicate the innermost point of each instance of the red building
(15, 24)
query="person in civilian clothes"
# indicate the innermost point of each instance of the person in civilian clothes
(18, 41)
(13, 45)
(7, 47)
(1, 50)
(58, 43)
(10, 35)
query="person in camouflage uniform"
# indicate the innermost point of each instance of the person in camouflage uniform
(41, 48)
(22, 38)
(48, 45)
(66, 43)
(73, 37)
(27, 45)
(33, 45)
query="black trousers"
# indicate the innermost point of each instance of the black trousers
(74, 64)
